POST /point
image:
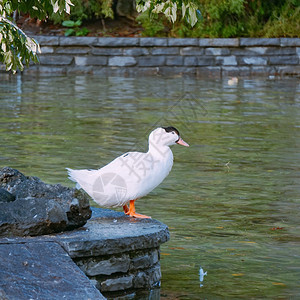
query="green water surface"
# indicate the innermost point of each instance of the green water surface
(232, 199)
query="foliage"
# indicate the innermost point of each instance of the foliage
(74, 28)
(153, 26)
(86, 10)
(231, 18)
(187, 9)
(16, 48)
(284, 22)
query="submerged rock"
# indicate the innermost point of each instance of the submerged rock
(39, 208)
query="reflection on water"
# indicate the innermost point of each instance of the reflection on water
(232, 199)
(201, 276)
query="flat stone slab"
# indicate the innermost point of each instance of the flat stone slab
(42, 270)
(107, 232)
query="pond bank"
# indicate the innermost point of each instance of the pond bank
(168, 56)
(115, 252)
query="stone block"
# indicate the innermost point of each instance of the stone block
(165, 51)
(144, 260)
(104, 236)
(97, 266)
(47, 50)
(148, 278)
(224, 42)
(136, 51)
(206, 61)
(46, 70)
(255, 60)
(192, 51)
(210, 72)
(106, 51)
(90, 60)
(256, 50)
(117, 284)
(42, 270)
(288, 70)
(77, 41)
(227, 60)
(151, 61)
(284, 60)
(183, 42)
(259, 42)
(73, 50)
(262, 71)
(281, 51)
(176, 70)
(174, 61)
(152, 42)
(80, 70)
(235, 71)
(55, 60)
(45, 40)
(121, 61)
(117, 41)
(190, 61)
(286, 42)
(217, 51)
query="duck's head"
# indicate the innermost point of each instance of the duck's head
(166, 136)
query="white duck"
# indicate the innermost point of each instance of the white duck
(131, 175)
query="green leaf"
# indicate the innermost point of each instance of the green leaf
(69, 32)
(68, 23)
(78, 23)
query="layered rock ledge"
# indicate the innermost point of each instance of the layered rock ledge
(202, 57)
(111, 253)
(117, 253)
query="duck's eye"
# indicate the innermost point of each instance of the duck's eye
(173, 132)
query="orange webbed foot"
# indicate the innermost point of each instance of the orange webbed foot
(131, 211)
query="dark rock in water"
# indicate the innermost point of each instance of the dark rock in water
(39, 208)
(6, 196)
(42, 271)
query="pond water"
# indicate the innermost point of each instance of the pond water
(232, 199)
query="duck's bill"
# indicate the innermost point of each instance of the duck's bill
(182, 142)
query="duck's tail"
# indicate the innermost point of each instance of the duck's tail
(73, 177)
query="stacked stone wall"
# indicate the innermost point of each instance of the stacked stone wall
(168, 56)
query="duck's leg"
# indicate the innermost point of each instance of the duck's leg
(126, 209)
(131, 211)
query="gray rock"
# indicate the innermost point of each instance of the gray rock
(259, 42)
(39, 208)
(191, 51)
(6, 196)
(41, 271)
(121, 61)
(151, 61)
(55, 59)
(117, 284)
(183, 41)
(284, 60)
(165, 51)
(151, 42)
(77, 40)
(113, 233)
(225, 42)
(108, 266)
(117, 41)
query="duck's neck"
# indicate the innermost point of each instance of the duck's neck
(159, 151)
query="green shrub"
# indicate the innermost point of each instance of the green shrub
(86, 10)
(232, 18)
(153, 25)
